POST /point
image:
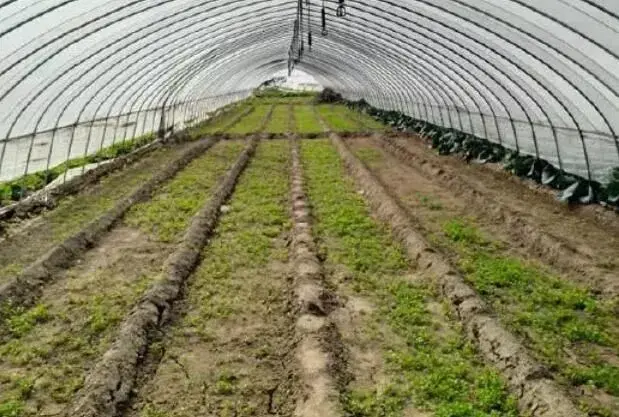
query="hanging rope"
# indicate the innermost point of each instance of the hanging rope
(325, 32)
(301, 40)
(309, 24)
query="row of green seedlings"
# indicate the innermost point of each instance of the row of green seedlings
(46, 350)
(236, 312)
(570, 329)
(72, 214)
(427, 363)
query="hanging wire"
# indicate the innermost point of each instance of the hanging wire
(325, 32)
(309, 24)
(301, 39)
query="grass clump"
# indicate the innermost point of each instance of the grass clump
(571, 330)
(307, 121)
(168, 213)
(11, 408)
(430, 202)
(430, 365)
(253, 122)
(22, 321)
(280, 120)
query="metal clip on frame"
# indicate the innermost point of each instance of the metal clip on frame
(341, 9)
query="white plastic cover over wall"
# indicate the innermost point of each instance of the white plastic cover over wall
(538, 76)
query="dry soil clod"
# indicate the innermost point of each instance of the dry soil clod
(25, 288)
(315, 356)
(537, 394)
(111, 381)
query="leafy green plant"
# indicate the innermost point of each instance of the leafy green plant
(11, 408)
(23, 321)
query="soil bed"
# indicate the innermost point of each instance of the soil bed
(569, 328)
(51, 346)
(73, 213)
(407, 357)
(228, 352)
(581, 247)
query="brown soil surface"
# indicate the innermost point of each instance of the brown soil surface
(228, 350)
(235, 362)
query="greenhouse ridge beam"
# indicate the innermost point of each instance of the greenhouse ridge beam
(510, 71)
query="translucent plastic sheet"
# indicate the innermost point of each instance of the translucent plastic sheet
(537, 76)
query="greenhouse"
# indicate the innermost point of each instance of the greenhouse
(309, 208)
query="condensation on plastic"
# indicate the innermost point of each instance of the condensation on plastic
(537, 76)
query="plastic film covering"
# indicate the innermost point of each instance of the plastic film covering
(539, 77)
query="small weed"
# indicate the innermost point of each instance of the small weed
(21, 323)
(11, 408)
(226, 384)
(152, 411)
(102, 313)
(461, 232)
(430, 202)
(388, 402)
